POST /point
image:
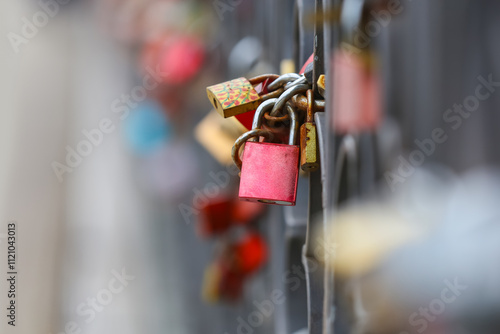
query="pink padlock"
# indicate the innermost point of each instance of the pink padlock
(357, 94)
(269, 171)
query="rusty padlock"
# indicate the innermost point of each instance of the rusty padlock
(308, 138)
(237, 96)
(269, 171)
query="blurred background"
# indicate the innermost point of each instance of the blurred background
(118, 174)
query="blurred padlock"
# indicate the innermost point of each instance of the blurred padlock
(217, 136)
(220, 214)
(146, 128)
(215, 216)
(287, 66)
(177, 59)
(356, 84)
(221, 283)
(211, 277)
(224, 279)
(230, 285)
(182, 60)
(356, 92)
(308, 138)
(269, 172)
(251, 253)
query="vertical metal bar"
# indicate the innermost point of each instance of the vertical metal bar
(313, 266)
(319, 46)
(327, 155)
(315, 274)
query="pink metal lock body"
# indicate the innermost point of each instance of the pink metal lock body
(269, 173)
(357, 92)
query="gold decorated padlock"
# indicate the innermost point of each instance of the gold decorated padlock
(234, 97)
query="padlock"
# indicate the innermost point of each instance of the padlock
(246, 119)
(269, 171)
(217, 136)
(308, 138)
(234, 264)
(222, 213)
(233, 97)
(147, 128)
(222, 283)
(356, 86)
(236, 96)
(215, 216)
(179, 58)
(356, 92)
(250, 253)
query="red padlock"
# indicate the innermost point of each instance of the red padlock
(235, 263)
(215, 216)
(179, 58)
(221, 213)
(269, 171)
(250, 253)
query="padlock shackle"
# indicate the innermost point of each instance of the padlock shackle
(287, 95)
(294, 124)
(261, 78)
(265, 106)
(310, 106)
(272, 93)
(270, 118)
(235, 152)
(300, 102)
(259, 113)
(256, 132)
(300, 81)
(283, 80)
